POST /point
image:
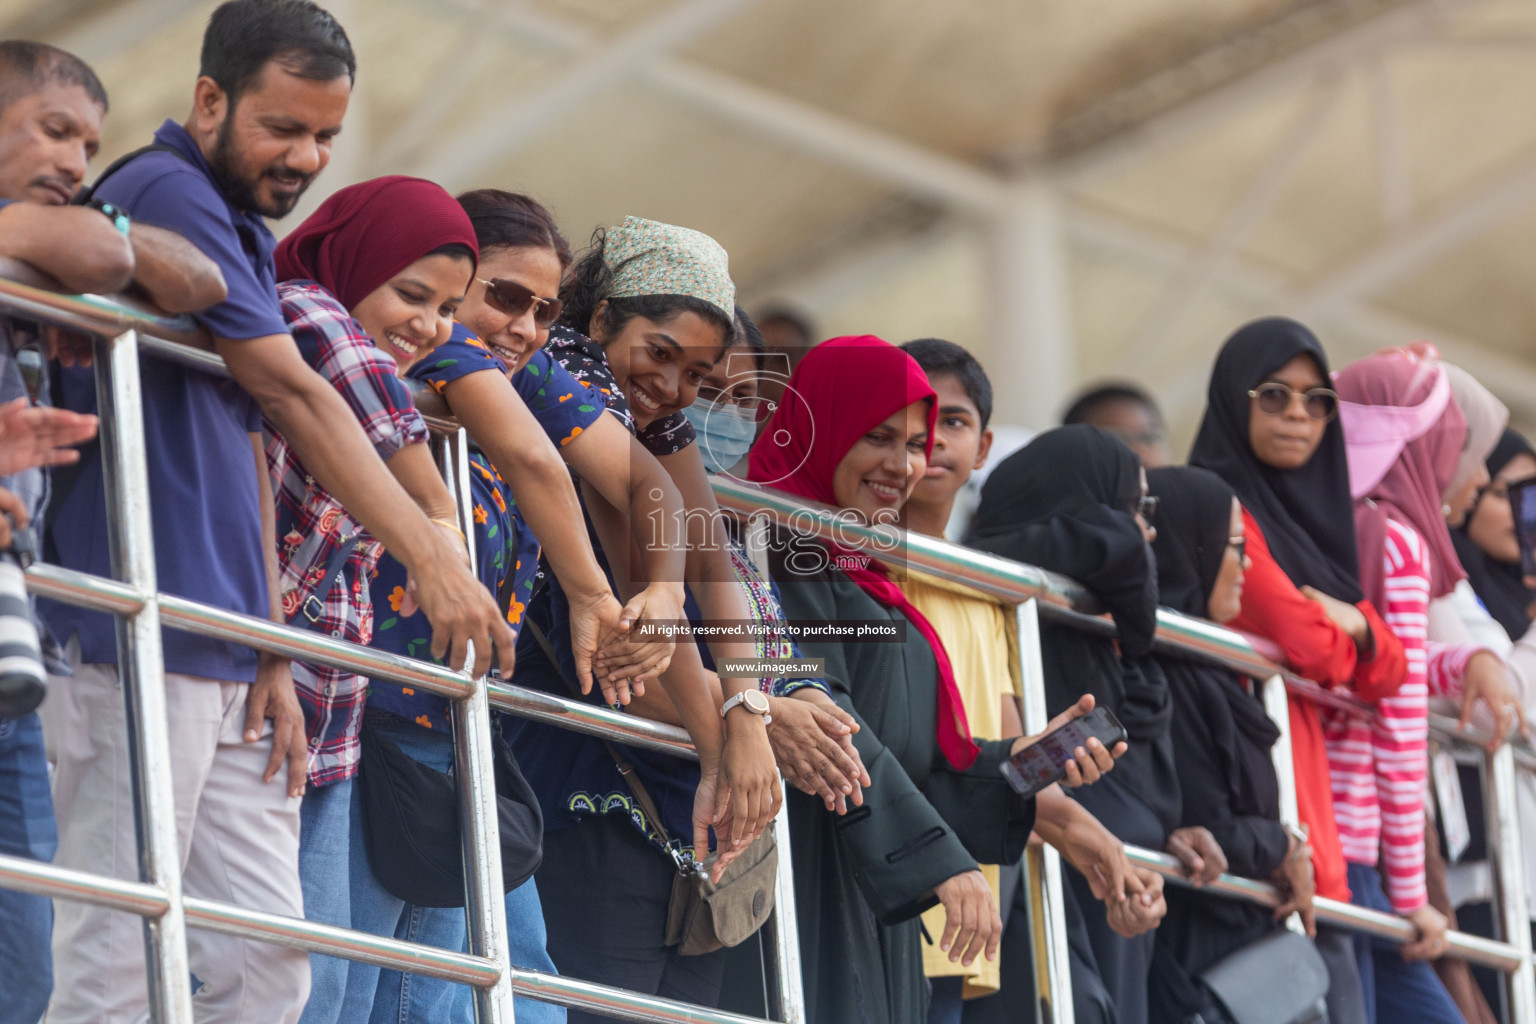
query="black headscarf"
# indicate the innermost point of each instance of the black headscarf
(1194, 524)
(1499, 585)
(1065, 502)
(1306, 514)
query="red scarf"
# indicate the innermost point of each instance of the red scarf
(365, 234)
(841, 390)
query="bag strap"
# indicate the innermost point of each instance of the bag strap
(86, 194)
(313, 606)
(685, 864)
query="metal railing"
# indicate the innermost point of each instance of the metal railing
(141, 612)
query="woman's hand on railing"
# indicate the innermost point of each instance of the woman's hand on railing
(622, 662)
(1431, 926)
(1144, 908)
(972, 925)
(1199, 852)
(272, 696)
(1090, 763)
(1487, 680)
(812, 740)
(1297, 885)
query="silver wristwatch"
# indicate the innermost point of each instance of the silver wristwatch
(753, 701)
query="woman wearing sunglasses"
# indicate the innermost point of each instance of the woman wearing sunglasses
(1222, 740)
(1271, 431)
(647, 313)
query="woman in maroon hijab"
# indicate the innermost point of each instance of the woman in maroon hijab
(854, 431)
(384, 261)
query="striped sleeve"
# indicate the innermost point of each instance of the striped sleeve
(1400, 730)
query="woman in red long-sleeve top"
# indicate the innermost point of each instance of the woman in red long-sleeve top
(1276, 440)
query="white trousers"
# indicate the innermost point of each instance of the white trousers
(239, 842)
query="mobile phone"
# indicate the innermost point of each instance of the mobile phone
(1045, 760)
(1522, 503)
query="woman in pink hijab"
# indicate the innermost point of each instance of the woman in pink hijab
(1404, 435)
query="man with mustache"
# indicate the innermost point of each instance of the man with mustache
(273, 87)
(51, 109)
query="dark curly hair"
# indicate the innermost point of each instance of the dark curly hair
(588, 286)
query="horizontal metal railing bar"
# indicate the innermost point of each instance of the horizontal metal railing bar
(147, 901)
(1060, 598)
(618, 1003)
(27, 293)
(1473, 948)
(591, 719)
(44, 879)
(89, 591)
(313, 937)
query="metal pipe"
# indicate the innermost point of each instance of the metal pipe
(1042, 867)
(1277, 707)
(782, 948)
(1472, 948)
(1509, 880)
(43, 879)
(479, 829)
(140, 665)
(618, 1003)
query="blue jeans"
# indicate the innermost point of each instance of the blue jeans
(26, 830)
(372, 994)
(1396, 992)
(325, 866)
(527, 938)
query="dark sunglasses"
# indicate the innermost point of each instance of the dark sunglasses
(514, 299)
(1146, 506)
(1240, 545)
(1275, 398)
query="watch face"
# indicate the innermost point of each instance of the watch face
(755, 701)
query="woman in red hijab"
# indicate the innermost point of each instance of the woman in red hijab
(386, 261)
(854, 430)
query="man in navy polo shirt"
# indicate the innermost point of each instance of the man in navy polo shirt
(273, 88)
(51, 110)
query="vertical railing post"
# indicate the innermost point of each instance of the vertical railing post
(1277, 706)
(474, 762)
(1509, 879)
(141, 668)
(786, 987)
(1042, 865)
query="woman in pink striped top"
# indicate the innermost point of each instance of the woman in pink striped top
(1404, 434)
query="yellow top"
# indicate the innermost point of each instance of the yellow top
(980, 638)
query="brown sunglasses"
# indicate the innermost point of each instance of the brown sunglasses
(514, 299)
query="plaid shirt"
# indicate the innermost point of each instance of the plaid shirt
(312, 524)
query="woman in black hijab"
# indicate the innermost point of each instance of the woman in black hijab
(1486, 542)
(1222, 740)
(1071, 502)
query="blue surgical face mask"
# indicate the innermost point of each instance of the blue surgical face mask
(726, 432)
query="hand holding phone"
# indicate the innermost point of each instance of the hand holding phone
(1064, 752)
